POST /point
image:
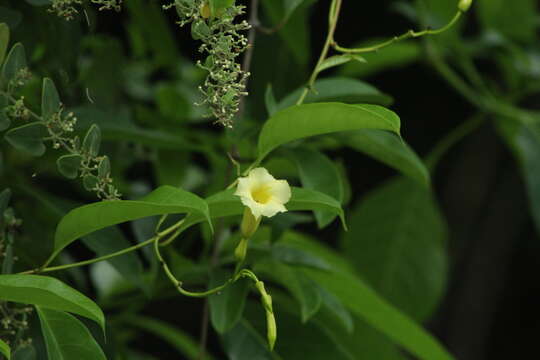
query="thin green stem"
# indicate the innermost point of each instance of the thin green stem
(409, 34)
(92, 261)
(333, 17)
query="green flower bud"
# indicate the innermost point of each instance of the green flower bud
(249, 224)
(241, 250)
(464, 5)
(271, 329)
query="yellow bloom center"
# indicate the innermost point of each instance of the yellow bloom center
(261, 194)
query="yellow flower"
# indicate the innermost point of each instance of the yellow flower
(262, 193)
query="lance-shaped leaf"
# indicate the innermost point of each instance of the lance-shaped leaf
(89, 218)
(48, 293)
(337, 60)
(304, 121)
(66, 337)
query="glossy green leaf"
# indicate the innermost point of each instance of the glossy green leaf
(391, 150)
(48, 293)
(50, 100)
(404, 262)
(5, 350)
(15, 61)
(304, 290)
(318, 172)
(368, 305)
(396, 56)
(92, 140)
(226, 307)
(5, 121)
(89, 218)
(182, 342)
(517, 21)
(244, 343)
(68, 165)
(338, 60)
(66, 337)
(340, 89)
(225, 203)
(4, 41)
(304, 121)
(28, 138)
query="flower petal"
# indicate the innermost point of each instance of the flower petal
(260, 176)
(281, 191)
(272, 208)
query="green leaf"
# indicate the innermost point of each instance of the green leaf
(290, 6)
(304, 290)
(5, 122)
(69, 165)
(4, 41)
(92, 141)
(15, 61)
(28, 138)
(368, 305)
(244, 343)
(218, 6)
(66, 337)
(226, 307)
(5, 350)
(176, 338)
(48, 293)
(338, 60)
(90, 182)
(304, 121)
(86, 219)
(517, 21)
(225, 203)
(391, 150)
(398, 55)
(270, 100)
(337, 309)
(318, 172)
(104, 168)
(397, 242)
(50, 100)
(337, 89)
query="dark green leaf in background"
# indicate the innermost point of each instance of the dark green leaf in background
(68, 165)
(4, 41)
(517, 21)
(28, 138)
(27, 352)
(397, 243)
(92, 140)
(318, 172)
(227, 306)
(15, 61)
(48, 293)
(391, 150)
(244, 343)
(66, 337)
(5, 122)
(50, 100)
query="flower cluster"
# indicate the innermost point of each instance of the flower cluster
(222, 43)
(67, 9)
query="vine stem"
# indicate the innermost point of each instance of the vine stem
(333, 17)
(154, 239)
(409, 34)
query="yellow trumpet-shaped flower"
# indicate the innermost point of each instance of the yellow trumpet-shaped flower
(262, 193)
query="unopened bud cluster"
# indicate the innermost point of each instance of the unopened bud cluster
(222, 43)
(67, 9)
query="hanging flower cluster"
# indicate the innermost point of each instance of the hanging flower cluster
(222, 43)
